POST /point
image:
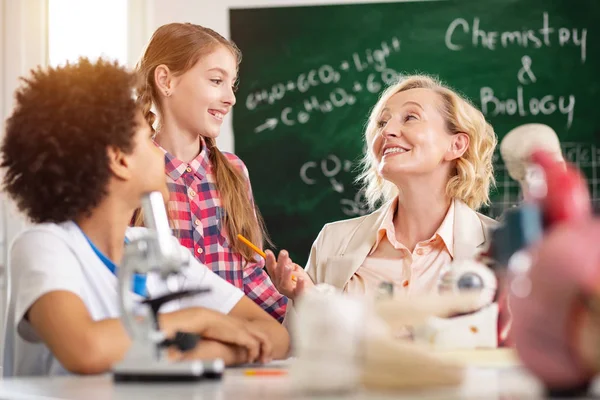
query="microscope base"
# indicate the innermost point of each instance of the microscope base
(166, 371)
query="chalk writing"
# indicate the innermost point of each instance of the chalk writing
(329, 167)
(327, 74)
(525, 74)
(337, 98)
(547, 105)
(460, 31)
(356, 206)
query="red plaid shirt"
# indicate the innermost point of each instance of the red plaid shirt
(197, 215)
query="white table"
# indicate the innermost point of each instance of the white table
(480, 383)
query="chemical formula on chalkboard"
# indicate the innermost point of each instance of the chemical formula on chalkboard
(325, 74)
(370, 60)
(338, 97)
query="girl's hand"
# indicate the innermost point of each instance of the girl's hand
(289, 278)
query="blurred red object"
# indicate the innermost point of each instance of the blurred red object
(547, 323)
(567, 196)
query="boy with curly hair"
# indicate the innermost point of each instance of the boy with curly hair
(78, 156)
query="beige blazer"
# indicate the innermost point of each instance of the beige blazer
(342, 246)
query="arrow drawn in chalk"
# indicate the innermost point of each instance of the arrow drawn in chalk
(338, 187)
(270, 123)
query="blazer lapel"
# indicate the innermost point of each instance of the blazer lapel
(468, 231)
(341, 266)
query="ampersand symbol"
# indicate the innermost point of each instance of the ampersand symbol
(526, 69)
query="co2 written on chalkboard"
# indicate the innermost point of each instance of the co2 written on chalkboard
(329, 169)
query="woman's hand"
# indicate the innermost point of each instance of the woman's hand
(289, 278)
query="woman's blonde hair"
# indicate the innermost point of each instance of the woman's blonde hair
(180, 46)
(474, 172)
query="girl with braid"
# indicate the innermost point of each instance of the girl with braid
(188, 74)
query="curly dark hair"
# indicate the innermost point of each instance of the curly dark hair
(54, 149)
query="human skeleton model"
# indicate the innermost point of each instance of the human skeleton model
(517, 146)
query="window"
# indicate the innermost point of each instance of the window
(89, 28)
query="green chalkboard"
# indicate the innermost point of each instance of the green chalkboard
(310, 76)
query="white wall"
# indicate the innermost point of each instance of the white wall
(214, 14)
(22, 47)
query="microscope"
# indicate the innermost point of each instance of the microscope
(156, 253)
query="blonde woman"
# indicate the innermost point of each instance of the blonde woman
(429, 163)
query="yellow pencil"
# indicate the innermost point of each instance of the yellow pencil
(256, 249)
(252, 246)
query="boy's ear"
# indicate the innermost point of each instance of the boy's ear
(118, 163)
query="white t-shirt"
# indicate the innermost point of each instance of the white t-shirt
(51, 257)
